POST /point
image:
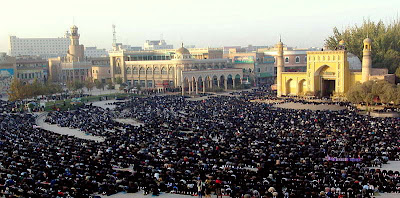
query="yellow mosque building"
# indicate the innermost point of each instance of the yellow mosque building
(329, 73)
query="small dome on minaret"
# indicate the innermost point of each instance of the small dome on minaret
(368, 40)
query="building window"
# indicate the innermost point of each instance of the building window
(297, 59)
(163, 71)
(286, 59)
(156, 70)
(305, 59)
(141, 70)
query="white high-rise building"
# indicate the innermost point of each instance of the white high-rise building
(94, 52)
(43, 47)
(156, 45)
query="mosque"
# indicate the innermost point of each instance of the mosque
(329, 73)
(161, 69)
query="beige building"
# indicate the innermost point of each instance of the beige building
(101, 73)
(162, 69)
(75, 66)
(30, 68)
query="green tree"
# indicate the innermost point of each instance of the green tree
(110, 85)
(37, 88)
(52, 88)
(398, 72)
(372, 91)
(385, 46)
(118, 80)
(89, 84)
(99, 84)
(75, 85)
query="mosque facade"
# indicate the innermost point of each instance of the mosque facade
(328, 73)
(173, 69)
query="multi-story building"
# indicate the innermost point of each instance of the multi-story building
(120, 46)
(101, 70)
(7, 72)
(43, 47)
(251, 48)
(92, 52)
(160, 69)
(156, 45)
(249, 62)
(74, 66)
(101, 73)
(30, 68)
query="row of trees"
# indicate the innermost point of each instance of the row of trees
(372, 92)
(385, 46)
(19, 90)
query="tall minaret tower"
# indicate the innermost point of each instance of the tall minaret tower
(367, 60)
(75, 51)
(279, 67)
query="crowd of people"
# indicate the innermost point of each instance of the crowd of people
(220, 145)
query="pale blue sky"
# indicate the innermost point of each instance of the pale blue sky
(302, 23)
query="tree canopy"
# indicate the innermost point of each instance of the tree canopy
(19, 90)
(385, 45)
(374, 91)
(75, 85)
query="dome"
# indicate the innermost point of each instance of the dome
(367, 40)
(182, 51)
(342, 42)
(354, 62)
(74, 27)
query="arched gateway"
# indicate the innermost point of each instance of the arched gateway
(199, 81)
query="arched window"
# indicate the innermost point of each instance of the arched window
(297, 59)
(163, 70)
(305, 59)
(118, 70)
(286, 59)
(141, 70)
(135, 71)
(171, 71)
(156, 70)
(128, 70)
(149, 71)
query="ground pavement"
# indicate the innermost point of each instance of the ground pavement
(65, 130)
